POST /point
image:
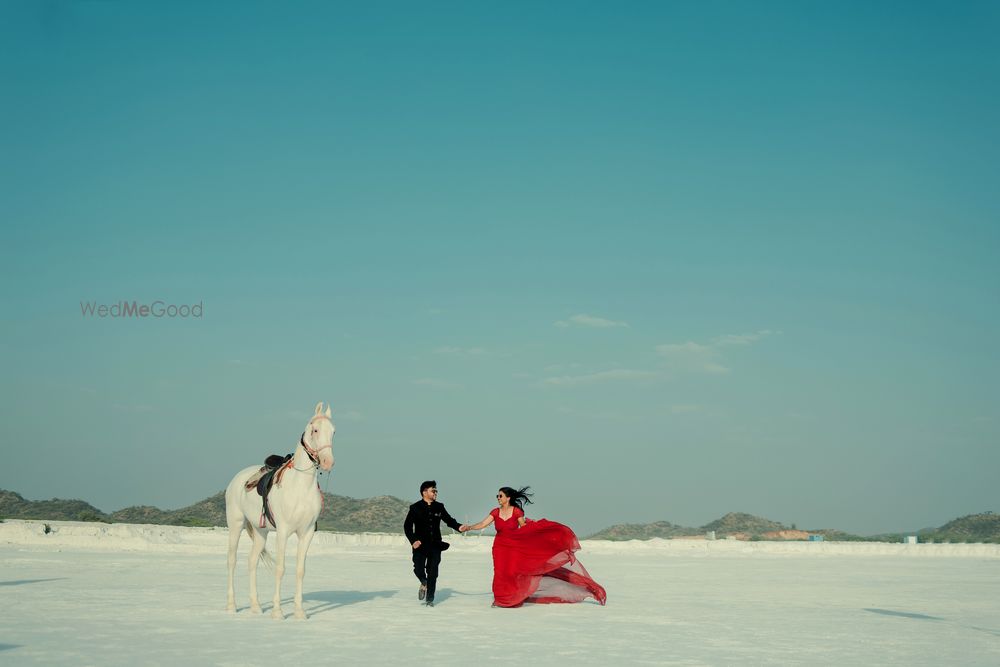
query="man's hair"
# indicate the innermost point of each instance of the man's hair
(427, 485)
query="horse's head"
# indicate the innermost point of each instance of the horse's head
(318, 437)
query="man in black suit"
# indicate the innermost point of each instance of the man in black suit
(423, 530)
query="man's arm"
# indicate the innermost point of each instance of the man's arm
(408, 526)
(448, 519)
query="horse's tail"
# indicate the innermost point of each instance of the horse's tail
(265, 555)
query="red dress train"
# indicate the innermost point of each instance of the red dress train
(536, 563)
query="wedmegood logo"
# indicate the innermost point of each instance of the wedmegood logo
(157, 309)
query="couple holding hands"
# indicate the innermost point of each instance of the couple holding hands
(533, 561)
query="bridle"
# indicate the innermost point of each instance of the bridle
(313, 454)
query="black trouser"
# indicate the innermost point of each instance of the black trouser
(425, 565)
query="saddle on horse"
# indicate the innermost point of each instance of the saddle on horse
(268, 475)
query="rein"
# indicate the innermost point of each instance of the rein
(313, 454)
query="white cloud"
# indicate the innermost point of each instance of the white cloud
(689, 348)
(742, 339)
(707, 357)
(618, 374)
(692, 356)
(589, 321)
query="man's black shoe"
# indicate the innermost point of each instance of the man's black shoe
(430, 603)
(422, 593)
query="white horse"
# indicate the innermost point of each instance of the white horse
(294, 501)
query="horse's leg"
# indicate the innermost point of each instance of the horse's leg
(259, 541)
(235, 530)
(300, 567)
(279, 571)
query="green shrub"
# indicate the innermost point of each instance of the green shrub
(194, 522)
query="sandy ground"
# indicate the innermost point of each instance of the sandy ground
(88, 594)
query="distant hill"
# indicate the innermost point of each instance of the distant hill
(643, 531)
(382, 514)
(745, 524)
(983, 527)
(209, 512)
(14, 506)
(840, 536)
(141, 514)
(385, 514)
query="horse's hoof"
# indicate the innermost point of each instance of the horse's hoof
(255, 609)
(300, 614)
(277, 615)
(231, 608)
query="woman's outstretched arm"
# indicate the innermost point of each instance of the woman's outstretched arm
(482, 524)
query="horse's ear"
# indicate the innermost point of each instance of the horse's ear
(319, 407)
(328, 410)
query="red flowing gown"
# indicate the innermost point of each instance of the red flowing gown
(536, 563)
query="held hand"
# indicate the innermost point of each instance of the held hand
(463, 528)
(416, 545)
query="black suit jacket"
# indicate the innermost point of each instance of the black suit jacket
(423, 522)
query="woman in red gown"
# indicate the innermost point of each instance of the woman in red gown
(534, 561)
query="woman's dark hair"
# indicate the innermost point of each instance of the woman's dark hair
(518, 497)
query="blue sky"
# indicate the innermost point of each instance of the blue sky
(660, 261)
